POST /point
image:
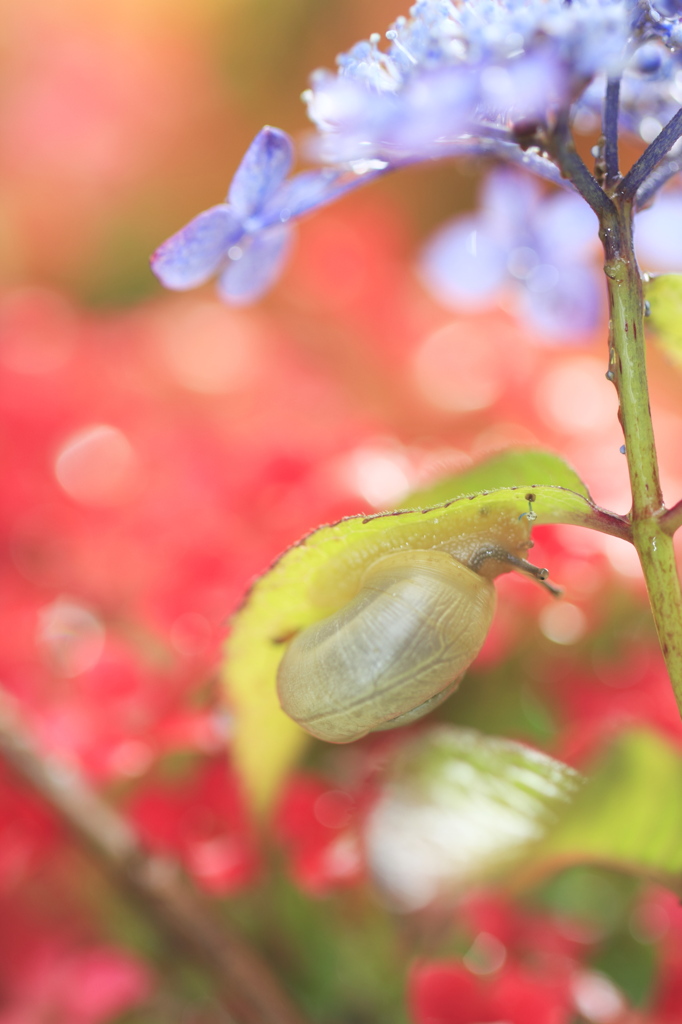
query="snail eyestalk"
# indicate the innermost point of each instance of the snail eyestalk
(498, 554)
(535, 572)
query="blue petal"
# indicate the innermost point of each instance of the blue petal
(658, 234)
(463, 265)
(191, 256)
(510, 200)
(524, 87)
(308, 191)
(262, 258)
(266, 164)
(433, 107)
(565, 305)
(566, 229)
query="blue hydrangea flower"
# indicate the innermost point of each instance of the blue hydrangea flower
(466, 69)
(650, 90)
(658, 234)
(497, 78)
(542, 247)
(245, 240)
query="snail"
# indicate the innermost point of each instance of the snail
(399, 647)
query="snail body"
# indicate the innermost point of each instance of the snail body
(393, 652)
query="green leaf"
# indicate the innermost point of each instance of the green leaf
(458, 807)
(664, 295)
(516, 467)
(628, 816)
(322, 572)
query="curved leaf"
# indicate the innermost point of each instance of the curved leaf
(515, 467)
(628, 816)
(459, 807)
(322, 572)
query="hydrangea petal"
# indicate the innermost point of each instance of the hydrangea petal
(192, 255)
(264, 167)
(523, 88)
(563, 303)
(658, 234)
(308, 191)
(463, 264)
(567, 228)
(521, 58)
(433, 108)
(262, 257)
(509, 204)
(334, 103)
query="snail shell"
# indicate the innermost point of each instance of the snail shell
(393, 653)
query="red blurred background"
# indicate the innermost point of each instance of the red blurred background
(159, 450)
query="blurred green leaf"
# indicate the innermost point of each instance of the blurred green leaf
(516, 467)
(344, 957)
(323, 571)
(628, 816)
(664, 295)
(458, 807)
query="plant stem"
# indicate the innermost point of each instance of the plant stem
(651, 157)
(562, 148)
(627, 370)
(611, 107)
(671, 521)
(249, 993)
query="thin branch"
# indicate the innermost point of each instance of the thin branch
(663, 173)
(611, 108)
(250, 993)
(671, 520)
(651, 157)
(627, 370)
(573, 168)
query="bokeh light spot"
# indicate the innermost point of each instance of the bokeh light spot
(215, 861)
(485, 955)
(455, 374)
(333, 809)
(131, 758)
(97, 466)
(381, 478)
(597, 998)
(190, 634)
(622, 556)
(71, 636)
(210, 349)
(575, 397)
(562, 623)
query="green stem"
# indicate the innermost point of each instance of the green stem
(627, 370)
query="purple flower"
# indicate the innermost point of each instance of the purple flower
(650, 91)
(497, 78)
(245, 240)
(658, 234)
(540, 246)
(463, 70)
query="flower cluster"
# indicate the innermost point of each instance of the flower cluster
(482, 77)
(246, 240)
(539, 246)
(463, 70)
